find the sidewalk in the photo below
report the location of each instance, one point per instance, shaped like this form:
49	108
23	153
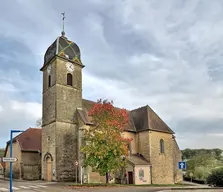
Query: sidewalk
195	185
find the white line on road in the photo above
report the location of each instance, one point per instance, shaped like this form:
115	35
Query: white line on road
34	186
24	187
15	188
3	189
41	186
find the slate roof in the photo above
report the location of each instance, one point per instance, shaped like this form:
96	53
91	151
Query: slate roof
64	48
140	119
29	140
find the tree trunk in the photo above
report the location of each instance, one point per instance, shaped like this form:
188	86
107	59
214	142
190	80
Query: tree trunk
107	175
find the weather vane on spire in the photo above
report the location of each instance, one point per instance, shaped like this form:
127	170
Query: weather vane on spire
63	33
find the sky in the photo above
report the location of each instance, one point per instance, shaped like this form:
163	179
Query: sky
167	54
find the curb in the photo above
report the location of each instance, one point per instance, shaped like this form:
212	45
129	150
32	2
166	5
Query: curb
195	188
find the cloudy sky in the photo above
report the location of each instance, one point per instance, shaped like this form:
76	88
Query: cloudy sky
164	53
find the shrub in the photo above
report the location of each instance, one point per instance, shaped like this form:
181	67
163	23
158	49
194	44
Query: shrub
216	178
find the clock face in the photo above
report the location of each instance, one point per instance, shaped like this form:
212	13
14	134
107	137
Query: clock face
70	67
49	69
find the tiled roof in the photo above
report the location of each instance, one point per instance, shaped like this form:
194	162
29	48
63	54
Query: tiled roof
86	106
29	140
137	159
141	119
146	119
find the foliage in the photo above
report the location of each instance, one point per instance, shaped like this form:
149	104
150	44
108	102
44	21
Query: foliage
2	151
190	153
216	178
201	173
105	144
201	162
39	122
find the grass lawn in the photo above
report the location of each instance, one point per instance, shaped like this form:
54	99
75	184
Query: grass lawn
121	185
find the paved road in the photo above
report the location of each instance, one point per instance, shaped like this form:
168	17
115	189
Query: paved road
197	190
30	186
41	186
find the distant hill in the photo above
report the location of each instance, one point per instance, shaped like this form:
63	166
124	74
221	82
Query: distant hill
191	153
2	151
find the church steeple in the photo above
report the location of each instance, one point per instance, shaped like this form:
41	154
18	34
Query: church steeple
62	95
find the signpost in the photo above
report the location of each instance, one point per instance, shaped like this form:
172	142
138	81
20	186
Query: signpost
182	165
76	165
11	159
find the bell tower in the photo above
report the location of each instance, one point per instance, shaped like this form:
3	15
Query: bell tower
61	96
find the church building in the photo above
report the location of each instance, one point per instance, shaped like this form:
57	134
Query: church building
153	152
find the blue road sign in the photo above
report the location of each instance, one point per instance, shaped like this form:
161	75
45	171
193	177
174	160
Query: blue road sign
182	165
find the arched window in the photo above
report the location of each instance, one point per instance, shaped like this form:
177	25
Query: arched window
161	146
69	79
49	81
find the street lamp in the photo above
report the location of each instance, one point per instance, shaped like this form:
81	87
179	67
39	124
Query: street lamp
11	133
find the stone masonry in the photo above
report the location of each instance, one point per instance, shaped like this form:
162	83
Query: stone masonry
59	129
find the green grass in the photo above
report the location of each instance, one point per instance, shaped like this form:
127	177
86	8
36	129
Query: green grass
123	185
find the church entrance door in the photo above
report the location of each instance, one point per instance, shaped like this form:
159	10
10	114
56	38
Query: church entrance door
48	169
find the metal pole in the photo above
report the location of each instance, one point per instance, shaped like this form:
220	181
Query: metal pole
76	174
11	162
81	175
11	132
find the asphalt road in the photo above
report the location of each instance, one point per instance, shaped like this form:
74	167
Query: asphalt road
29	186
41	186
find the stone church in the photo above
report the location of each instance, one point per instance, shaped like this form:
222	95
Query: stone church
153	152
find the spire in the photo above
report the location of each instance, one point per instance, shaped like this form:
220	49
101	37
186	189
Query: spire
63	32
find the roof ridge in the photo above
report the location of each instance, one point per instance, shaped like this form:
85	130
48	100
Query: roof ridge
139	108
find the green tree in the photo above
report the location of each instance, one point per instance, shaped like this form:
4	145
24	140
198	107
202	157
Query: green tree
105	146
216	178
201	173
39	122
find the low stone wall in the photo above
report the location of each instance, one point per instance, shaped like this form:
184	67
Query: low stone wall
31	171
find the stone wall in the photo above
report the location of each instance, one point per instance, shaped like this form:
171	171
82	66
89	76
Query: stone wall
143	144
16	165
60	130
162	163
31	166
178	174
48	147
133	142
66	150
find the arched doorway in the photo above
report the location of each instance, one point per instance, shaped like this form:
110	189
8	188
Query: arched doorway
48	166
48	169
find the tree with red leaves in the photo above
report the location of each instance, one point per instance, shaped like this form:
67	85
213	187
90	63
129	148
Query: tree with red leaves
105	146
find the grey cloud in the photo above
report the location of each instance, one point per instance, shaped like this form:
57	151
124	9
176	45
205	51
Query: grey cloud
166	54
202	126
